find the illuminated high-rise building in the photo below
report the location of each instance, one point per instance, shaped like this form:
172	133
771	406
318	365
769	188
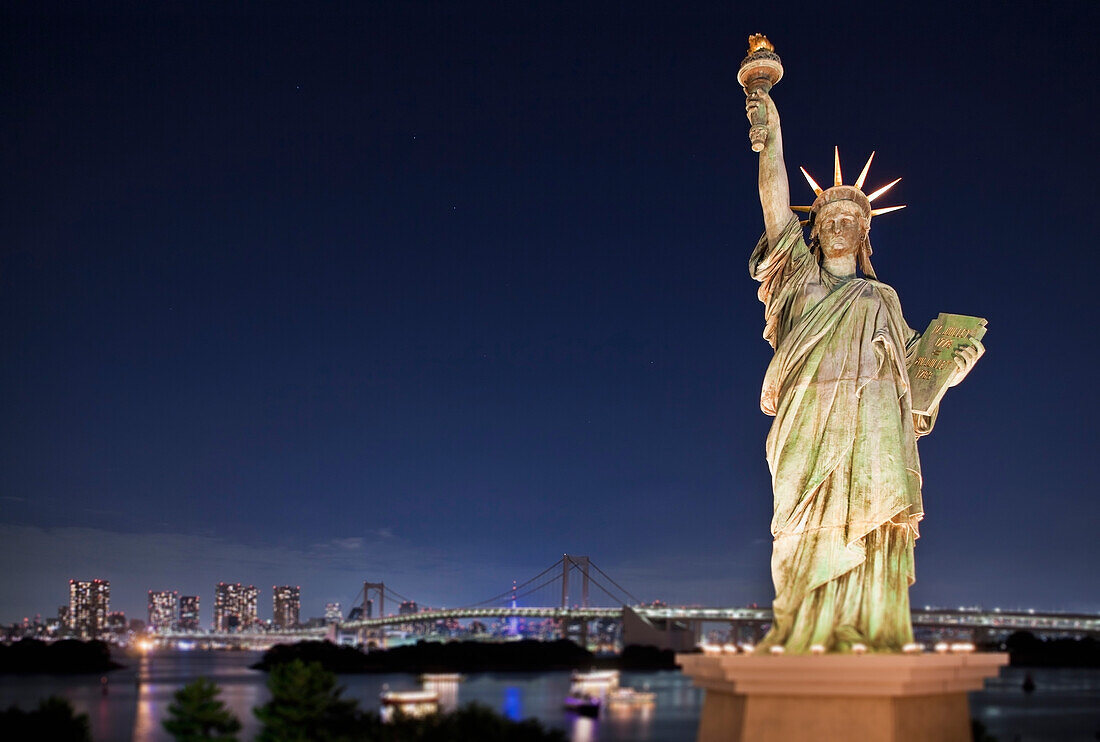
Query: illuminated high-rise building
333	613
250	597
226	599
234	607
286	605
409	608
162	610
189	613
89	604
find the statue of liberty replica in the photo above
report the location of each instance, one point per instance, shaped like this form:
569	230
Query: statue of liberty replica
851	387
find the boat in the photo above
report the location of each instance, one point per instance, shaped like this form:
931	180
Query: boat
624	698
412	703
594	683
583	705
588	691
445	685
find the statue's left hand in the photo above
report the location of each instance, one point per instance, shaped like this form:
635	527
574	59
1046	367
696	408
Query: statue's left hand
965	358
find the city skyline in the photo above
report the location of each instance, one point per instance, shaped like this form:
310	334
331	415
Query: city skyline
429	295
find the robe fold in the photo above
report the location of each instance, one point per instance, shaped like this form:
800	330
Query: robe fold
842	452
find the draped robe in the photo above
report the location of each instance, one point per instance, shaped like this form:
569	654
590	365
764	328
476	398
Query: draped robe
842	452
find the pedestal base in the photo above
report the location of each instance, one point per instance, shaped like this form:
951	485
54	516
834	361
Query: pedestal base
870	698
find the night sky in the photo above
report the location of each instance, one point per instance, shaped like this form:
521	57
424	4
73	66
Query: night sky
433	292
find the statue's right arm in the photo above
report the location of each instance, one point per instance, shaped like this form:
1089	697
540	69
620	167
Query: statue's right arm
775	194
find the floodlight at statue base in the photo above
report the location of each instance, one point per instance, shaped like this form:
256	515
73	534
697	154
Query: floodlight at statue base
871	698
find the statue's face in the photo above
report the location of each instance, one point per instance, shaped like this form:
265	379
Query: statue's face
840	228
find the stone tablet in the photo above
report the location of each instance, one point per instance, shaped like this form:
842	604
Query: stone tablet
933	361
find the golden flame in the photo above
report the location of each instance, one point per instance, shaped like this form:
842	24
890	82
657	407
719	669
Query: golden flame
759	41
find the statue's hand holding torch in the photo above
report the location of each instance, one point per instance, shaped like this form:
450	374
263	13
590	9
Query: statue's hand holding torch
759	72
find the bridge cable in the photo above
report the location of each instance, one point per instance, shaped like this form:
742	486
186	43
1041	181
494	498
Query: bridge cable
615	598
394	594
538	587
623	590
508	593
354	602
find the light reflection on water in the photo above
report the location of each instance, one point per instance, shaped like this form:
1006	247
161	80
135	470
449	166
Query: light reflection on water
584	729
513	708
1063	707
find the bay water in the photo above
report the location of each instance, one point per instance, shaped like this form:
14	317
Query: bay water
1064	707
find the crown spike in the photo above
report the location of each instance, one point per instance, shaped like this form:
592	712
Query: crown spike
863	176
803	209
813	183
882	190
838	179
886	210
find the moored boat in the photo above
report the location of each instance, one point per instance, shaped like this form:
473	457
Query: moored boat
412	703
583	704
630	698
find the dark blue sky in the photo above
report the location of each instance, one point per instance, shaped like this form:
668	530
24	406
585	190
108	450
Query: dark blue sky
433	292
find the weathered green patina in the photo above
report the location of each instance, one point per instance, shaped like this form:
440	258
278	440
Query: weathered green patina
843	447
842	453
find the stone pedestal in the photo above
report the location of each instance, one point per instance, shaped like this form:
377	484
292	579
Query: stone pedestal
869	698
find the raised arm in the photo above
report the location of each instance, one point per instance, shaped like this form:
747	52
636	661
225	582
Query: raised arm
775	193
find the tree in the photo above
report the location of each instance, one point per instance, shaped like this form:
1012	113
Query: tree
198	714
54	719
306	706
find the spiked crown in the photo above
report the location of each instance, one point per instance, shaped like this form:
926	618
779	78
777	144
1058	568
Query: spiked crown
853	193
841	192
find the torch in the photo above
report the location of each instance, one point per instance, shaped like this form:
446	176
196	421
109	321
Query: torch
759	71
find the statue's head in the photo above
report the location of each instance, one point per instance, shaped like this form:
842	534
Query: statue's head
840	217
840	223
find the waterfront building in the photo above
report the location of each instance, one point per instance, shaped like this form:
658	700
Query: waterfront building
162	610
286	606
116	623
333	613
250	617
409	608
235	607
89	604
189	613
